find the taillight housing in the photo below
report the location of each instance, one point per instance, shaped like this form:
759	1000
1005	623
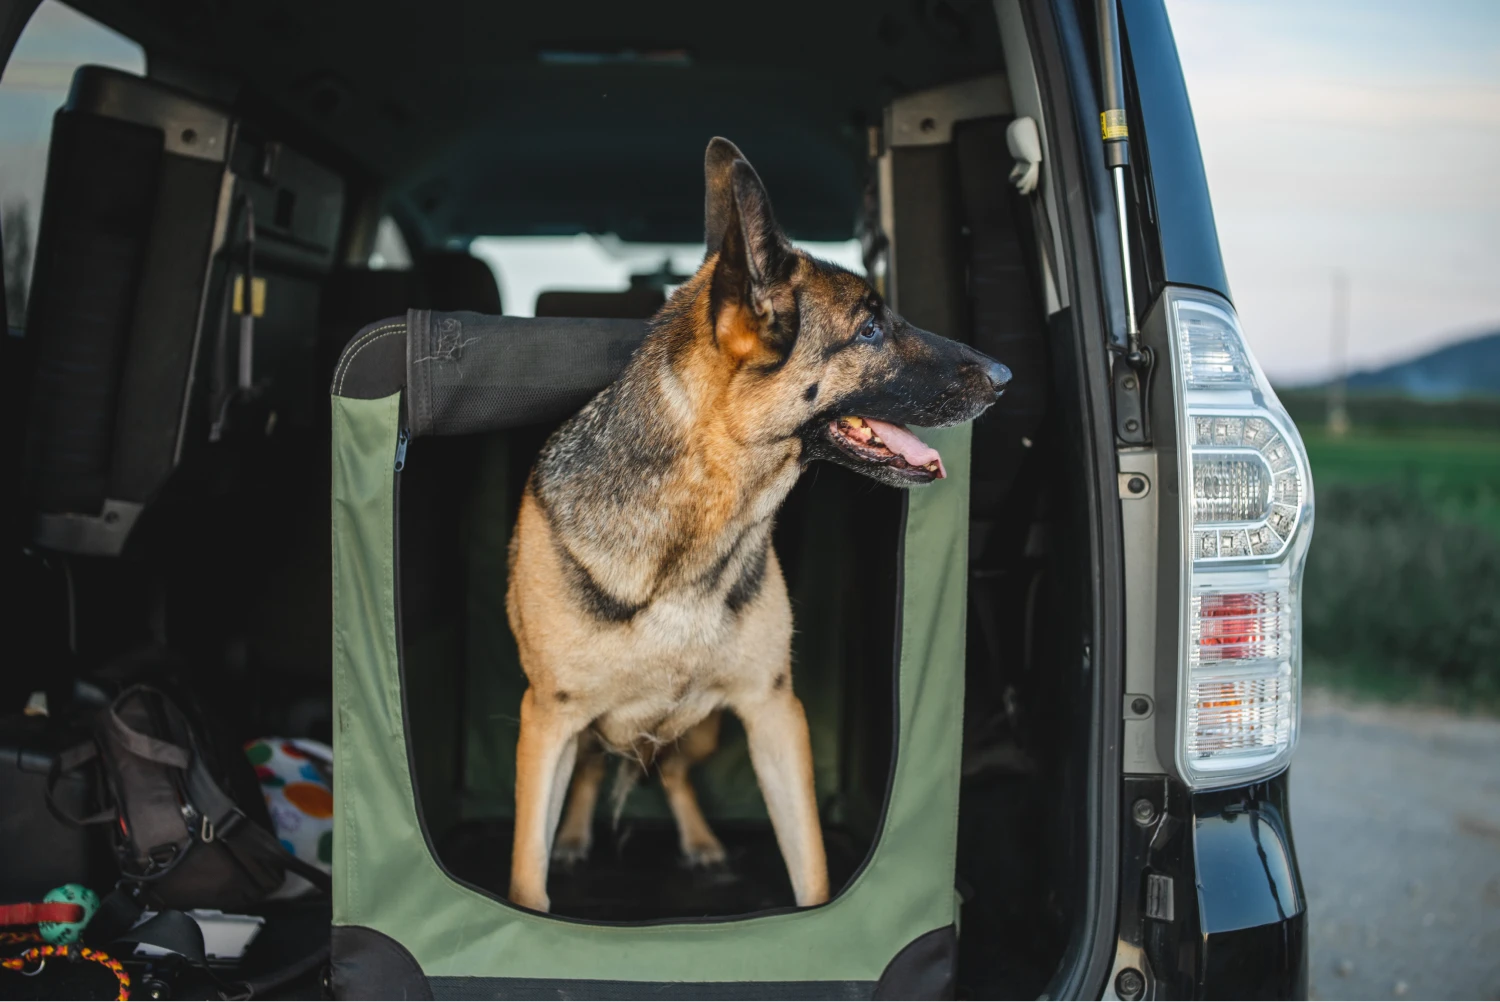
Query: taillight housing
1246	517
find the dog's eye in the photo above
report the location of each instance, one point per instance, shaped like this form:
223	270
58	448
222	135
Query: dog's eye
870	332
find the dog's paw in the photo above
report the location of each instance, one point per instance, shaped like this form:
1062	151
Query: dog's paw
537	901
568	853
704	854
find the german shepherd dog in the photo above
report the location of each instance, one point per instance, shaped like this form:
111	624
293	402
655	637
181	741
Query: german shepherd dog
644	593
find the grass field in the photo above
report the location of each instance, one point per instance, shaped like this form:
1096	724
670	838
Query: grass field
1456	471
1402	594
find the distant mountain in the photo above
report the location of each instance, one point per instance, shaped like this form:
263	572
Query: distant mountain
1469	368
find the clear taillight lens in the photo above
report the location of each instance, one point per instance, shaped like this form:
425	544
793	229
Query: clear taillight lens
1247	518
1240	699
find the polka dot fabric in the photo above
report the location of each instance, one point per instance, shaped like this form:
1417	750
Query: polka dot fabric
296	778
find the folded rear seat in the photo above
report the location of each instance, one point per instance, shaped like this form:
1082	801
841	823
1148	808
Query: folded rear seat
158	208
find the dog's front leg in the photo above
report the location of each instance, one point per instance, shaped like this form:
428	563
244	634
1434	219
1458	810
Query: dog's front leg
545	755
781	752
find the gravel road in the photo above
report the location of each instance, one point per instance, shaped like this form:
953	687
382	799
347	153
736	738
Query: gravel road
1396	817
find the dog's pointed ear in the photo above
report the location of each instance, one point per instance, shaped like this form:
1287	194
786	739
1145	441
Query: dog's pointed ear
735	203
754	256
765	251
718	194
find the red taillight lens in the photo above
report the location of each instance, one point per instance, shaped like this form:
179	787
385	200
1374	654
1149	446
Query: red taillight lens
1239	626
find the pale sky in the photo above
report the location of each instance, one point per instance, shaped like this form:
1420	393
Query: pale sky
1353	134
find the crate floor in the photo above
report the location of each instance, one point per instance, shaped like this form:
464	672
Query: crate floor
635	873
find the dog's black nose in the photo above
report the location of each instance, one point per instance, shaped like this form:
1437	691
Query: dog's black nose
998	375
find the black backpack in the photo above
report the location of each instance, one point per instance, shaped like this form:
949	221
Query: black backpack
182	842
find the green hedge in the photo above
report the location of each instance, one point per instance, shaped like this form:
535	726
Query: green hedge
1402	594
1396	588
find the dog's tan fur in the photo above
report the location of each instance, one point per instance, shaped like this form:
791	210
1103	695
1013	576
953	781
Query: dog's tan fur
646	685
644	594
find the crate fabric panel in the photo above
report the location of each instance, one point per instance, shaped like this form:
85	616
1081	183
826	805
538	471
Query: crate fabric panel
387	877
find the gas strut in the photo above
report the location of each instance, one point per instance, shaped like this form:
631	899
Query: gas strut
1117	153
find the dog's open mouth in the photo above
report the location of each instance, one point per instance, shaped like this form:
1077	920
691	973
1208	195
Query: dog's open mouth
889	445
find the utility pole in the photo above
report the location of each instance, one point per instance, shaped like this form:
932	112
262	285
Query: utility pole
1338	344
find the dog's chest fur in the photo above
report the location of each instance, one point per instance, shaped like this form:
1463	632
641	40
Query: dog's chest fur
689	649
667	591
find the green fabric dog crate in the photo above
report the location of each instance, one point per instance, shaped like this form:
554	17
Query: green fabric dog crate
435	419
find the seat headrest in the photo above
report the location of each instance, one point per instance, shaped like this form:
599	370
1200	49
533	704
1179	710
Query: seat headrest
457	280
636	303
352	297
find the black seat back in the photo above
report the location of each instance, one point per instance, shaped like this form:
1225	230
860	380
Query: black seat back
456	280
158	207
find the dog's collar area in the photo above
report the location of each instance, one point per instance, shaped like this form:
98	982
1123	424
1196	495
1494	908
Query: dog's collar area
886	444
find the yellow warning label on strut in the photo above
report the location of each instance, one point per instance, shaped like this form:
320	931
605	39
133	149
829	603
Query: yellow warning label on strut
1112	124
257	296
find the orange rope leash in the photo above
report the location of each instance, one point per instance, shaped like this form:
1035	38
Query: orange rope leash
41	953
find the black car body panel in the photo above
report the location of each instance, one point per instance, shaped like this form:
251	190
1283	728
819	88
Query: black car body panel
1188	238
1238	916
1251	940
1211	900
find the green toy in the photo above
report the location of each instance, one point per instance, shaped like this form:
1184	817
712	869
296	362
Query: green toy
59	933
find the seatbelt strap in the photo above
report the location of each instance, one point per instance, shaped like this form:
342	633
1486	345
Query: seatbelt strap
170	930
117	913
246	834
271	980
239	299
247	304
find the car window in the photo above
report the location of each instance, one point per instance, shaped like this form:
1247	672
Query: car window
391	252
525	267
56	41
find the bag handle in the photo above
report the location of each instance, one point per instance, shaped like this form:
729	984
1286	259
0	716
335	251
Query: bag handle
141	745
144	745
67	761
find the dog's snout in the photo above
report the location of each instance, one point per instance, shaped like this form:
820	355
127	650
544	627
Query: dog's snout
997	374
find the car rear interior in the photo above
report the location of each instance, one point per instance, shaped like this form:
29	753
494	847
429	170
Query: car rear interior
464	122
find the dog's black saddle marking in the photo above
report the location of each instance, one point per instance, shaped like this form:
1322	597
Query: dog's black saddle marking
599	603
711	577
752	576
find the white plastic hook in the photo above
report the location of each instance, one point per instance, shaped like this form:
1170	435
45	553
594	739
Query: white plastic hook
1025	145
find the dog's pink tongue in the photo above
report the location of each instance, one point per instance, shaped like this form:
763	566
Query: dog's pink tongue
906	445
